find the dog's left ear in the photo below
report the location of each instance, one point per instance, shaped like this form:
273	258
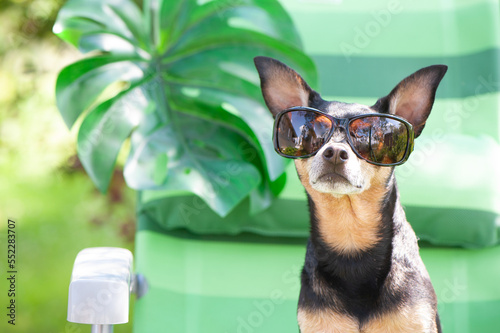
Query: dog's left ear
412	98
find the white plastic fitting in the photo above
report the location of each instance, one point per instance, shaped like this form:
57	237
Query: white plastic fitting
101	282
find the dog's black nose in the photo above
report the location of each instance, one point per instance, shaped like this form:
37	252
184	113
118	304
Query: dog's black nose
336	154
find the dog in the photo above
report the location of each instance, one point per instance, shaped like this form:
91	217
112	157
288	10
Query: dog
362	271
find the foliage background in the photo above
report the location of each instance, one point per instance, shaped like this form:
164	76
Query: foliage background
57	209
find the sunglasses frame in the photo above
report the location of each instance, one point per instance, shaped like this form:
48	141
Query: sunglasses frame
344	123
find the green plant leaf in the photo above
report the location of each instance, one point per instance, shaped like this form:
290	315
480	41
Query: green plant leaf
80	84
103	132
185	69
80	18
208	161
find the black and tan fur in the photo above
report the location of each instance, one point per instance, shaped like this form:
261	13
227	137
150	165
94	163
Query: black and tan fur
363	271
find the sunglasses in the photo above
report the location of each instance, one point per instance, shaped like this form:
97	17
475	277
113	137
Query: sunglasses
379	139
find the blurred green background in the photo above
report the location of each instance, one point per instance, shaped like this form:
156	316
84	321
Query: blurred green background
43	187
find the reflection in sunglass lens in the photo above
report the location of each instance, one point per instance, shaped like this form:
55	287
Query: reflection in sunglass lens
379	139
301	133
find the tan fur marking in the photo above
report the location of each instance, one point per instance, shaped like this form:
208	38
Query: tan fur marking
348	223
417	319
326	321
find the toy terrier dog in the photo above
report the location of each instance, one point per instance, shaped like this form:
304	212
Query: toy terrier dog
362	271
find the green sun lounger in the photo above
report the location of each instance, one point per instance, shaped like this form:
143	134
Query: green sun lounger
241	273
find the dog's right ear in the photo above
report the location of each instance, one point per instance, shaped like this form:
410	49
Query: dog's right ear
281	86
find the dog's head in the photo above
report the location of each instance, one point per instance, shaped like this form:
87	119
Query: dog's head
335	168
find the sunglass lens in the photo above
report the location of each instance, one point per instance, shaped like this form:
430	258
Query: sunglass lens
379	139
301	133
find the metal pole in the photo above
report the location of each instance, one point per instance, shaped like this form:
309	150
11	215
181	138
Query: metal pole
102	329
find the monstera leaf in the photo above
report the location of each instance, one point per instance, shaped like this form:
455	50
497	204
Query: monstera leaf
176	80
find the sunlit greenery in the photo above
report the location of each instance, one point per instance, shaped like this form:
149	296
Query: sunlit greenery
43	188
